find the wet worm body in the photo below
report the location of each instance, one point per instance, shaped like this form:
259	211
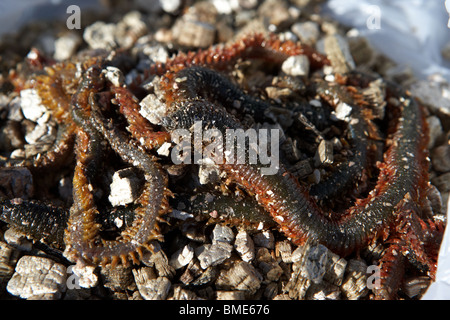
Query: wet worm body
244	211
97	118
82	224
200	81
299	216
138	126
349	170
40	220
47	222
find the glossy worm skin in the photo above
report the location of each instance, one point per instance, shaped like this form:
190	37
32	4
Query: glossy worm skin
42	221
100	118
200	81
301	219
345	172
299	216
82	227
253	46
48	223
138	126
244	211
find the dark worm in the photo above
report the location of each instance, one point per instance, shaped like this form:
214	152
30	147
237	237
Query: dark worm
82	226
351	169
299	216
38	219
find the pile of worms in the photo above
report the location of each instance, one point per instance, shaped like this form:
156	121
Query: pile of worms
374	191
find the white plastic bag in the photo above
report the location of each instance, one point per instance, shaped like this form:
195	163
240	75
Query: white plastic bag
410	32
